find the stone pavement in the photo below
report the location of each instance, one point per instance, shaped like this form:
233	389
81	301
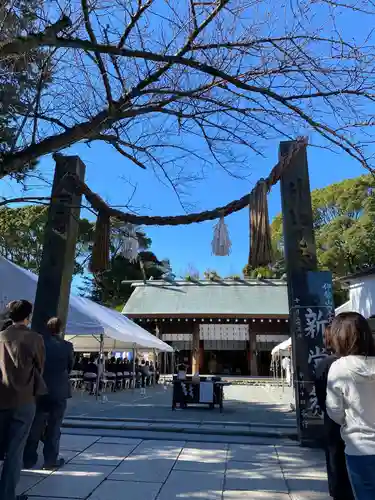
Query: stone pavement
113	468
243	404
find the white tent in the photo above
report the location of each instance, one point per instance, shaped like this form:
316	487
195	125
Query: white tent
346	307
87	321
277	353
282	349
121	333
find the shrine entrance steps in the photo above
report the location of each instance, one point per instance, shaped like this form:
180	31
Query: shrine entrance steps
195	429
248	411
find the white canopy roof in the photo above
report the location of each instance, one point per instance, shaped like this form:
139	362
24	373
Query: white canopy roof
85	318
282	349
346	307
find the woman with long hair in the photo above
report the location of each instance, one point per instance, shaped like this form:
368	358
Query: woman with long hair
351	398
338	480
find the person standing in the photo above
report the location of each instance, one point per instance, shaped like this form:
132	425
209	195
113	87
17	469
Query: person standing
350	398
338	479
144	376
286	366
152	373
51	407
157	372
21	366
212	365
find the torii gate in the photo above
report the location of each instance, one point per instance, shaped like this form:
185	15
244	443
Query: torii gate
310	291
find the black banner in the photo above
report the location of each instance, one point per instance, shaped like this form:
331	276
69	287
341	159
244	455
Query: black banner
311	310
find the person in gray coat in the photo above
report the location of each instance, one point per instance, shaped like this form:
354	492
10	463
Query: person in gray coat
51	408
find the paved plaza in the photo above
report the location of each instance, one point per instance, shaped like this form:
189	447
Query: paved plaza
105	468
112	464
244	404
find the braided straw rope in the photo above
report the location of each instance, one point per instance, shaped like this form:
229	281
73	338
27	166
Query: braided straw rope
260	232
101	206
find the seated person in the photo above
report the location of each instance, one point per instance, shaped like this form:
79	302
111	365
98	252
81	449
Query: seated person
157	373
181	374
90	371
120	366
144	371
148	373
152	372
112	366
92	366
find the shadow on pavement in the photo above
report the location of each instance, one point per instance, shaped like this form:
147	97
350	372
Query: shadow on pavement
114	468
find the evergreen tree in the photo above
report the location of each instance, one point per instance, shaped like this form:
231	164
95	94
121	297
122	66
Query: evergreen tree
22	237
344	215
109	289
22	79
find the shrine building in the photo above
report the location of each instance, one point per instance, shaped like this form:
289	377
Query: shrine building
222	326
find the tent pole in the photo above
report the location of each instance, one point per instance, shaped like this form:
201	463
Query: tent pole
153	378
100	358
134	379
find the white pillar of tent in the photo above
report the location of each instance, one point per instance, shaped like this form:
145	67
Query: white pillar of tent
134	379
154	376
172	363
101	349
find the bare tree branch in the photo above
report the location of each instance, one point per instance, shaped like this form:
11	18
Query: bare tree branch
98	58
356	7
26	199
97	122
209	81
133	21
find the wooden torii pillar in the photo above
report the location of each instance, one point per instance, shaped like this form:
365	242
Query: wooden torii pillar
195	352
309	292
60	237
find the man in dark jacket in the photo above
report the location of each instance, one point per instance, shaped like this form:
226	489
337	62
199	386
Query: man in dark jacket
21	366
51	408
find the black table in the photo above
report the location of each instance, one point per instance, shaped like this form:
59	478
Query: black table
189	392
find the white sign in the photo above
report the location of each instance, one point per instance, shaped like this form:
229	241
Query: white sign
206	392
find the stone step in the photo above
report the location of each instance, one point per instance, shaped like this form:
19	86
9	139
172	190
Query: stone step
180	421
255	381
178	427
179	436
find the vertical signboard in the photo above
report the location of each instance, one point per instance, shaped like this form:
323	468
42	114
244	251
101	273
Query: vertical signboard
311	310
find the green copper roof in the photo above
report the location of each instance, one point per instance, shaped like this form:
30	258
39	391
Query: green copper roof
182	298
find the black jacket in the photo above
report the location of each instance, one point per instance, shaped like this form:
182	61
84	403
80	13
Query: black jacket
321	378
57	367
338	480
